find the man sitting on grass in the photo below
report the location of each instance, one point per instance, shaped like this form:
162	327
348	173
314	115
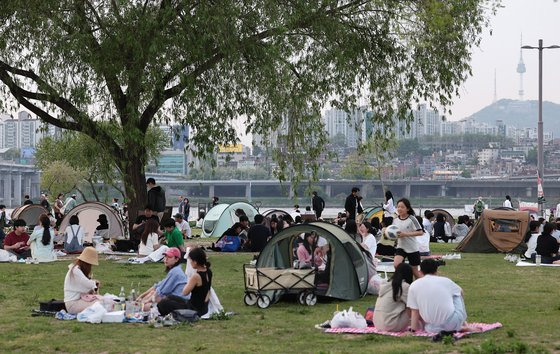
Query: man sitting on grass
16	241
173	236
437	302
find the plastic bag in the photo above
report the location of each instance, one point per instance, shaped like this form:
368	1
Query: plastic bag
92	314
374	284
348	319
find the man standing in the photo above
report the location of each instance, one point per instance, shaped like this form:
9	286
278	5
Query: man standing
351	204
436	301
478	208
318	204
184	207
156	197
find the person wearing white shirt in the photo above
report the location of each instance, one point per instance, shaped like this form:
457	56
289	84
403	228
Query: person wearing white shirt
389	205
183	226
79	288
368	240
74	236
507	202
557	211
532	240
149	238
436	301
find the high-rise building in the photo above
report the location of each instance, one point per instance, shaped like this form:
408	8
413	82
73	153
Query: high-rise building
352	126
428	121
521	70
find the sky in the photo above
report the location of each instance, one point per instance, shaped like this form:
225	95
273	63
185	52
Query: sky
536	19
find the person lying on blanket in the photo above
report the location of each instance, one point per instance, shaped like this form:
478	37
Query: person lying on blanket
436	303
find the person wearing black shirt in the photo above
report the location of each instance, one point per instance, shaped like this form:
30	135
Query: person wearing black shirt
318	204
27	200
547	245
351	204
258	234
138	227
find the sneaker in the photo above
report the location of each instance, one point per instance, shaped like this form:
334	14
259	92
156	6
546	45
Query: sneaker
439	337
324	325
169	320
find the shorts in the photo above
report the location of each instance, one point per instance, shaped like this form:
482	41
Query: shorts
413	258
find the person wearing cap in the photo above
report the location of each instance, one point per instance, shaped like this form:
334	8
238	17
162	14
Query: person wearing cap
172	284
436	303
80	291
70	203
183	226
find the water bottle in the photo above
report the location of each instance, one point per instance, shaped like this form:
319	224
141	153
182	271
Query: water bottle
122	299
538	259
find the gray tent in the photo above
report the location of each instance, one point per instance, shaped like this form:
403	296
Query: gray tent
30	213
348	272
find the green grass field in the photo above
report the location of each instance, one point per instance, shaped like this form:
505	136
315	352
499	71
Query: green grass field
525	300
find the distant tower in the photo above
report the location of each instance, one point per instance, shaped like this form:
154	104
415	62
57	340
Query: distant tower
495	88
521	70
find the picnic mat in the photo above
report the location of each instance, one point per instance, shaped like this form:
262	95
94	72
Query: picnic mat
530	264
372	330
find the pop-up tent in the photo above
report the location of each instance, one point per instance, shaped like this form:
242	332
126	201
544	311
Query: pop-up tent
223	216
369	213
448	216
496	231
88	213
30	213
271	213
347	268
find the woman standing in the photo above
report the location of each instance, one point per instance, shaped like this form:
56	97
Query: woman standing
42	241
390	312
389	205
57	206
79	289
507	202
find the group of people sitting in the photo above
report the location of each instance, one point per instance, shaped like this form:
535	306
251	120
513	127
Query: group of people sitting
148	233
431	303
178	290
544	241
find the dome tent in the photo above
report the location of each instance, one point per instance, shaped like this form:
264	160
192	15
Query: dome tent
29	213
88	213
347	272
369	213
223	216
448	217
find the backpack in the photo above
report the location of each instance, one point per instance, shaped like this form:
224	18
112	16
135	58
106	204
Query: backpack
231	244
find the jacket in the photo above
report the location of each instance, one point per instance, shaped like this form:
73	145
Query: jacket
156	199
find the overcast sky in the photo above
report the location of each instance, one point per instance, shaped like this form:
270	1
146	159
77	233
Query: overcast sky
500	51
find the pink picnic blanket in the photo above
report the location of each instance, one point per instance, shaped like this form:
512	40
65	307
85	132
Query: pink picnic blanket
485	327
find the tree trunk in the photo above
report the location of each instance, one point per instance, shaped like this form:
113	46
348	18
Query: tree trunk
135	180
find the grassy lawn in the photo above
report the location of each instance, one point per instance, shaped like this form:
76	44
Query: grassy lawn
525	300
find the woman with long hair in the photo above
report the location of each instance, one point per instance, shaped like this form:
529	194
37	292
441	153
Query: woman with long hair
197	288
389	205
149	239
409	230
390	312
171	285
80	291
306	250
42	240
368	240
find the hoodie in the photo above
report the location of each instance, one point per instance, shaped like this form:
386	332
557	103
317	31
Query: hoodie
156	199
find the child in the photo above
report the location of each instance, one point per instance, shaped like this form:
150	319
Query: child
407	246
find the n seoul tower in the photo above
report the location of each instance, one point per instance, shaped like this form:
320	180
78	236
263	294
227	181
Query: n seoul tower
521	70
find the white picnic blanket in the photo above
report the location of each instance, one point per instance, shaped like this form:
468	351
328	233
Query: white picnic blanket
529	264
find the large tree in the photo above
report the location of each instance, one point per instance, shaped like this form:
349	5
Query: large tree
129	63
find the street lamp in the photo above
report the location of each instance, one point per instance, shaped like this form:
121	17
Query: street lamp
540	155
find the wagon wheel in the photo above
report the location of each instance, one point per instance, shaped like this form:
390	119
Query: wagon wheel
310	299
250	299
301	297
263	301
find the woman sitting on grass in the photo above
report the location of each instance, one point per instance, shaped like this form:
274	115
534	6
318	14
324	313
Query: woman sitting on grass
547	245
149	239
171	285
79	288
198	288
74	236
390	312
42	240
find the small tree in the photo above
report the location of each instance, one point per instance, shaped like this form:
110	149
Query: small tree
60	177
